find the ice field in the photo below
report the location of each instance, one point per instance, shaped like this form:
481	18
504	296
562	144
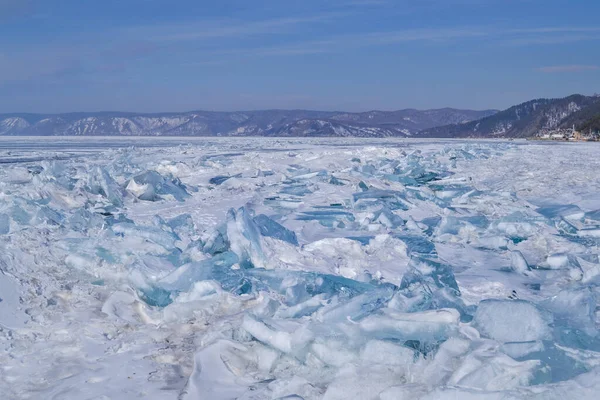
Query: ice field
298	269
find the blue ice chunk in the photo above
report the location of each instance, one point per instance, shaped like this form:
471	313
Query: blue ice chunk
393	199
4	224
417	244
218	242
363	186
575	309
153	234
379	194
244	238
556	211
415	176
452	225
574	337
19	215
387	218
296	190
330	218
59	173
565	227
156	297
368	169
405	180
335	181
449	225
217	268
47	215
100	182
518	262
593	216
338	285
297	287
158	186
265	173
479	221
106	255
518	226
82	220
182	223
159	222
269	227
217	180
176	257
112	218
35	169
423	177
555	364
449	192
360	306
296	169
431	223
430	274
283	204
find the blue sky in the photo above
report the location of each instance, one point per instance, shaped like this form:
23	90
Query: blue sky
156	55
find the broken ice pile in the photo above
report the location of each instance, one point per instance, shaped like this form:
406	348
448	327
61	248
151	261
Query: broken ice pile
386	276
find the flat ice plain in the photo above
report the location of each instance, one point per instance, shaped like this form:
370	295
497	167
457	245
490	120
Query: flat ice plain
255	268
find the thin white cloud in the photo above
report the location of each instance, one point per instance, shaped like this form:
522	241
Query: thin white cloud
556	29
211	29
344	42
532	36
568	68
549	40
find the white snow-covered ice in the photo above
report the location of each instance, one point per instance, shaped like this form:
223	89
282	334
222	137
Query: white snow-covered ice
207	268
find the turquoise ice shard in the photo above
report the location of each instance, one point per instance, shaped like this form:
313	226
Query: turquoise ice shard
269	227
217	268
100	182
218	242
182	223
426	326
393	199
556	211
82	220
152	186
518	262
217	180
49	216
156	235
4	224
245	239
430	273
575	308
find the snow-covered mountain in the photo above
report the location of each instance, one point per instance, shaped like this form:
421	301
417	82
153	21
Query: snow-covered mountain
251	123
526	119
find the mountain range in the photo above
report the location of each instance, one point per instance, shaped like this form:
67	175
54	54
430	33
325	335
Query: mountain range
527	119
296	123
520	121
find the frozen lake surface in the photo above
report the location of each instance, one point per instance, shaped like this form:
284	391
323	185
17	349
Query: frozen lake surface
260	268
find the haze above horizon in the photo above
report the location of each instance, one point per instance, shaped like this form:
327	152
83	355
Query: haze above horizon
350	55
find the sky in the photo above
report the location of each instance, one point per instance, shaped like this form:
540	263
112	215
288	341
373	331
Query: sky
351	55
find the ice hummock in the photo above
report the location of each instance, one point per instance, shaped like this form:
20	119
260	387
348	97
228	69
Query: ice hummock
152	186
404	271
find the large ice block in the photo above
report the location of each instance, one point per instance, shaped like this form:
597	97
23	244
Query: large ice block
269	227
512	321
152	186
100	182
